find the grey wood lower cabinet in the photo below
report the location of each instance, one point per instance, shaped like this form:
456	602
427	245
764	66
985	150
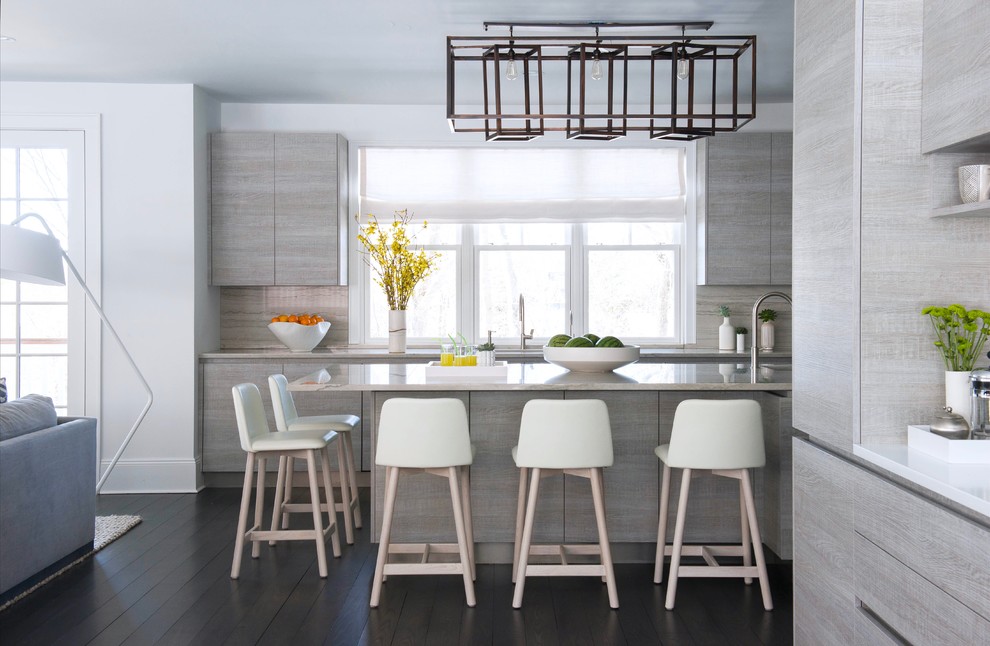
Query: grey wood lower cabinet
875	562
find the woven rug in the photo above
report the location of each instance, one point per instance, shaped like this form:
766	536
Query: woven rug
108	529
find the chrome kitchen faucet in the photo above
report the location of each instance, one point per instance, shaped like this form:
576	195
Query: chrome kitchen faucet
522	324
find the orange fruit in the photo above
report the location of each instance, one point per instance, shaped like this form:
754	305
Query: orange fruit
274	319
318	319
293	318
305	320
283	318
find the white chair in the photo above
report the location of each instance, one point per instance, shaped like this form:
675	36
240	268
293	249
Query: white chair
426	436
259	442
287	419
726	438
561	436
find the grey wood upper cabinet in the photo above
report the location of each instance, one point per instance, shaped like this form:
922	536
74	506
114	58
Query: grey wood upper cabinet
955	108
278	201
748	210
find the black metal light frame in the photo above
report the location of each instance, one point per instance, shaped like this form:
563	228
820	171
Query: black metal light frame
681	117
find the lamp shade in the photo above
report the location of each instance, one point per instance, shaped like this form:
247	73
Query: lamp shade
30	256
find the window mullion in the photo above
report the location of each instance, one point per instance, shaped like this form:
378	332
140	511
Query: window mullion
578	278
467	301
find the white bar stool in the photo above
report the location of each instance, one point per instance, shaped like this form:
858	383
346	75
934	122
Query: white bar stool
562	436
287	419
426	436
725	438
258	441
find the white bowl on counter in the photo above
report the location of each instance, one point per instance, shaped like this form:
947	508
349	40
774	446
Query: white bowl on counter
591	359
300	338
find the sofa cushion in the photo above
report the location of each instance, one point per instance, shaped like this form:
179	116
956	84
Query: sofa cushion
26	415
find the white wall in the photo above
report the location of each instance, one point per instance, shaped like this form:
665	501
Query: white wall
153	212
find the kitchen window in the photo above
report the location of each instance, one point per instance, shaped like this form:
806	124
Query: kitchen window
590	250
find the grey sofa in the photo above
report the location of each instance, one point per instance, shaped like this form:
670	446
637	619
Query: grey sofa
47	490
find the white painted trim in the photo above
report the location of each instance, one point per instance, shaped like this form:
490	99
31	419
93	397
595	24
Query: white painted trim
153	476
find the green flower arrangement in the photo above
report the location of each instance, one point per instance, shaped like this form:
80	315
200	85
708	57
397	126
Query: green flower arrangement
767	315
398	267
724	310
959	333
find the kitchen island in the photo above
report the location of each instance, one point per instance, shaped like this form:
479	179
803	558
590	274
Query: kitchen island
641	399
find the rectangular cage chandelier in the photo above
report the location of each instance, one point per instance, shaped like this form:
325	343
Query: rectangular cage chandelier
600	87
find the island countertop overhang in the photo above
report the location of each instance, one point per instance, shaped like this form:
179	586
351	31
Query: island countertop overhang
713	377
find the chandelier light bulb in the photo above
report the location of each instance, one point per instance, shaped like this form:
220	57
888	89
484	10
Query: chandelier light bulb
511	73
596	70
683	68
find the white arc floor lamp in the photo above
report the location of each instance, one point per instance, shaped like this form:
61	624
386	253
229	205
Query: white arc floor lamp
33	257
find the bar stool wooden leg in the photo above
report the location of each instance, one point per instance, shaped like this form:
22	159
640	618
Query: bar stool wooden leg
520	514
279	492
314	493
754	529
598	496
457	504
744	523
391	484
259	505
352	478
289	472
527	538
235	567
345	492
662	527
465	476
331	507
675	556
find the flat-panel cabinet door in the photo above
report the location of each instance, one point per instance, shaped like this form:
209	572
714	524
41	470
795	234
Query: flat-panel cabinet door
780	207
243	208
221	442
738	211
306	209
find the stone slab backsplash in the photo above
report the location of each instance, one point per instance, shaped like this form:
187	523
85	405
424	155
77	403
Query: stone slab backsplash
246	312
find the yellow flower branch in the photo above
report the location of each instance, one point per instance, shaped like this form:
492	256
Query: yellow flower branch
397	266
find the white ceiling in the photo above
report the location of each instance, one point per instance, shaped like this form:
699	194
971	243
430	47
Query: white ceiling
321	51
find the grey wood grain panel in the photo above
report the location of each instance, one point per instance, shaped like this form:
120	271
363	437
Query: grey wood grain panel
423	509
221	444
826	221
777	522
781	186
951	552
367	423
824	494
306	209
243	208
956	99
631	483
343	208
495	418
738	210
246	311
912	606
869	630
713	503
326	403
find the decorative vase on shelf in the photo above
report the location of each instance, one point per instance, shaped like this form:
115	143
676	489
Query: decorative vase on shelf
766	336
486	357
741	343
957	392
726	335
396	331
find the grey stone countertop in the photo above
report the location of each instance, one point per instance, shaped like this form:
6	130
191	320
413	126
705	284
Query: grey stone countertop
717	377
416	355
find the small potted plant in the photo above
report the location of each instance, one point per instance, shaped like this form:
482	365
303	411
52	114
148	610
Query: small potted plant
726	332
741	333
768	316
959	336
486	352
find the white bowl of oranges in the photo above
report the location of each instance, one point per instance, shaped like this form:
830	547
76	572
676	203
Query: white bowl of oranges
299	332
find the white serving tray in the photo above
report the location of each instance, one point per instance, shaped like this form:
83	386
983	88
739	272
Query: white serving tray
435	371
922	439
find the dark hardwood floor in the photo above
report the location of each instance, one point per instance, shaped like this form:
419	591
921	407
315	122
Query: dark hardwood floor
168	581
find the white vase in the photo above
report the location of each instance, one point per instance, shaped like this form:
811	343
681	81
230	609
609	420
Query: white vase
396	331
957	392
726	335
486	357
766	336
741	343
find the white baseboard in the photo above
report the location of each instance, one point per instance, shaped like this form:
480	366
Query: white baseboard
154	476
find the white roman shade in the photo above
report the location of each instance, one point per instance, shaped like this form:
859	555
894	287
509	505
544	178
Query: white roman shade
495	184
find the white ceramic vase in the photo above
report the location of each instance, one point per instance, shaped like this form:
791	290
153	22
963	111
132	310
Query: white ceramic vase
486	357
726	335
957	392
396	331
741	343
766	336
